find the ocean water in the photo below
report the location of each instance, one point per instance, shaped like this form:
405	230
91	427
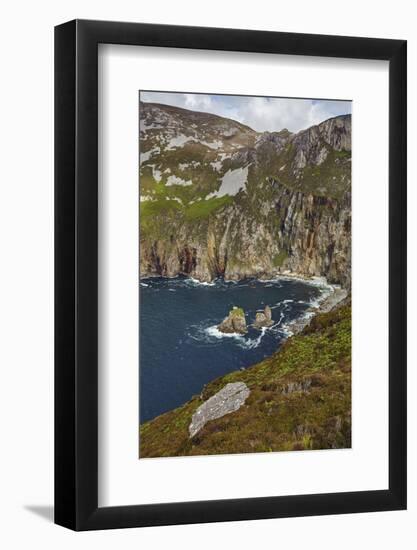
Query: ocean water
180	348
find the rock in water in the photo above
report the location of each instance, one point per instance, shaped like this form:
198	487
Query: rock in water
268	313
235	322
229	399
263	318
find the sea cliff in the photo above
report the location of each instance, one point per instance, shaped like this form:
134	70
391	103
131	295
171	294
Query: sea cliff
221	200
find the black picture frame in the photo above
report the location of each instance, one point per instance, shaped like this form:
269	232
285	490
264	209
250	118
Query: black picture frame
76	272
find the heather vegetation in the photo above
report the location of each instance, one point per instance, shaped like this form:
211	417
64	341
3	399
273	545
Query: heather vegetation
300	399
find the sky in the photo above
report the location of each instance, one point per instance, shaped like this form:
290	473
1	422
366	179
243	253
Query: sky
260	113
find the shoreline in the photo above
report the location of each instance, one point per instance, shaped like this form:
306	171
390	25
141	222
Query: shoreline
260	275
326	304
331	296
315	280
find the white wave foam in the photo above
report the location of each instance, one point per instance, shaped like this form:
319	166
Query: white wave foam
144	284
312	281
286	331
324	294
213	332
251	344
274	280
200	283
277	324
285	304
216	333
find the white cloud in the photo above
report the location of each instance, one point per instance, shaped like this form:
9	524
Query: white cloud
198	102
260	113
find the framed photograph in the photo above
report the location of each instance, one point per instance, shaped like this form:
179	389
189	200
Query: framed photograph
230	252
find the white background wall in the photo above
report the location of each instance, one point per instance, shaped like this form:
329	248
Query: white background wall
26	286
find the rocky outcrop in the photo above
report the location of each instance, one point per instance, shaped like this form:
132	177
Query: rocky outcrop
263	318
302	386
234	323
229	399
314	144
336	298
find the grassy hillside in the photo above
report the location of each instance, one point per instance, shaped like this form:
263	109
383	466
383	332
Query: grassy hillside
300	399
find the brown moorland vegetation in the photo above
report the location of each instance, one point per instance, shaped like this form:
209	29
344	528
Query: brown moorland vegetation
300	399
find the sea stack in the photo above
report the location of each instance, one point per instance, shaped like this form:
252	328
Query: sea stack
263	318
235	322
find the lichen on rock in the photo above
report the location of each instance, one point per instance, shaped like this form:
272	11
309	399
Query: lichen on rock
229	399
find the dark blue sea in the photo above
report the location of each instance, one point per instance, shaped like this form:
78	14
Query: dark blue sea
180	346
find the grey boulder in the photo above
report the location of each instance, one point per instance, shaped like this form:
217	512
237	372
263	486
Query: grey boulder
229	399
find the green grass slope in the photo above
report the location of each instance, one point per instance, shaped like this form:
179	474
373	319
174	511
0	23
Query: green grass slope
300	399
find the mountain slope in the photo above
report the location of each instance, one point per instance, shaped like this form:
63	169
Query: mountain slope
219	199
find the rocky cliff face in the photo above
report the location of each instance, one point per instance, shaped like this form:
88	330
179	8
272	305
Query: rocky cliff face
219	199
